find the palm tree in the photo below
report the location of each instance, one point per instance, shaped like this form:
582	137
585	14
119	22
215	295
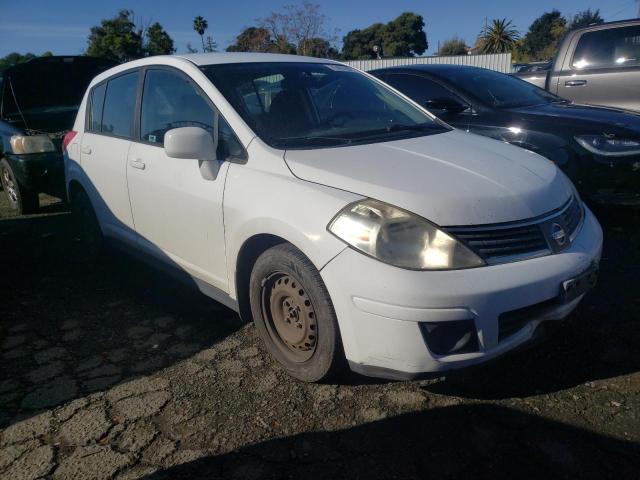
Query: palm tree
200	25
499	37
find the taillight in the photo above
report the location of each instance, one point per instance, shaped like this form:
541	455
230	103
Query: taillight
66	140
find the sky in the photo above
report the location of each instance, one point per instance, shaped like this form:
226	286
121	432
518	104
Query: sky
62	26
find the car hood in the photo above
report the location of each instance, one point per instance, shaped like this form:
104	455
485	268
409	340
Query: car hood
453	178
576	116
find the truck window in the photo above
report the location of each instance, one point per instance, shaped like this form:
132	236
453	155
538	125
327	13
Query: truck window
610	48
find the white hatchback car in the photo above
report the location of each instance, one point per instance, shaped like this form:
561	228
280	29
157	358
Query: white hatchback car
344	219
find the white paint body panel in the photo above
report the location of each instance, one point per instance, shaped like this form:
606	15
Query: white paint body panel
455	178
103	162
177	213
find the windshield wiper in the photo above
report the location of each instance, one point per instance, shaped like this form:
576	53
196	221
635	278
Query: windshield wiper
399	127
310	140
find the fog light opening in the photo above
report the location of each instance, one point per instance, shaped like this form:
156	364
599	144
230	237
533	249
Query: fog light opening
450	338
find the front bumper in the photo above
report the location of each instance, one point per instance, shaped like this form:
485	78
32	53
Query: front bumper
39	172
380	307
612	181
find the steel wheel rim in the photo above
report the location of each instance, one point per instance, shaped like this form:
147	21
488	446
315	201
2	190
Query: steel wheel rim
290	317
10	186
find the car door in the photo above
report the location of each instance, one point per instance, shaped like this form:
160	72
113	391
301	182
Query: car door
604	69
104	149
177	212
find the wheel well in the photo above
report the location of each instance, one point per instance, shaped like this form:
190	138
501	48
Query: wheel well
249	253
74	187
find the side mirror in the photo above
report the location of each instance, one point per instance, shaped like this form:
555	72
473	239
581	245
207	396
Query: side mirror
445	105
194	143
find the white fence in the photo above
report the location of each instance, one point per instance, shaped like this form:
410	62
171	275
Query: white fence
500	62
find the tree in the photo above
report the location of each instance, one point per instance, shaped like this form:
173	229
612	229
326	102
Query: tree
541	40
158	42
116	38
253	39
14	58
358	44
453	46
585	18
190	48
403	36
297	29
200	25
120	39
318	47
498	37
210	45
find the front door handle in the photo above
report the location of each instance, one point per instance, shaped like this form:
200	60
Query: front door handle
137	163
86	149
575	83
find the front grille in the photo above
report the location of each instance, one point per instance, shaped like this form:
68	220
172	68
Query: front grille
572	217
500	243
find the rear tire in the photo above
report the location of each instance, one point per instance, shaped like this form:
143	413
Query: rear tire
294	315
21	199
87	230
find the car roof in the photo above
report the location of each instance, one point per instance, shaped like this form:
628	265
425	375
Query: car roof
438	69
41	62
201	59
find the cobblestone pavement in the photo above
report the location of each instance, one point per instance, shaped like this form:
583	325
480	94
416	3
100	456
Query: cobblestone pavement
115	371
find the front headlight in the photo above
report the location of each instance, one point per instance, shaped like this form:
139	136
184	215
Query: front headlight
609	146
400	238
21	144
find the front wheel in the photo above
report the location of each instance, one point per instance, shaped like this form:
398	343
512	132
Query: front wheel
294	315
21	199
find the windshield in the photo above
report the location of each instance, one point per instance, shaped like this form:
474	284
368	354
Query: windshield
499	90
311	105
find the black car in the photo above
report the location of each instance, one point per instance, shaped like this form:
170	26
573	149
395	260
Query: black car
598	148
39	100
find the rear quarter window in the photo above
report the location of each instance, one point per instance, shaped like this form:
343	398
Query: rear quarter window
97	103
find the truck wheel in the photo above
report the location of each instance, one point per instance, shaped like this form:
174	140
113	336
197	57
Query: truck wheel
21	199
294	315
87	230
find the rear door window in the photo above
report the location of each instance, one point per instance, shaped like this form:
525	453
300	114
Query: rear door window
610	48
119	105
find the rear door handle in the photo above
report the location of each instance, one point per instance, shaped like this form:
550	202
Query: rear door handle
86	149
575	83
137	163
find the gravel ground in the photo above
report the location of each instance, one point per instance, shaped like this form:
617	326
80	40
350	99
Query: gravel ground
115	371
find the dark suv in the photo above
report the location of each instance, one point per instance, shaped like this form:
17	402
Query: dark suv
39	100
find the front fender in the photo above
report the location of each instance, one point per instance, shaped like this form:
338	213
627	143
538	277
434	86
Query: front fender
261	202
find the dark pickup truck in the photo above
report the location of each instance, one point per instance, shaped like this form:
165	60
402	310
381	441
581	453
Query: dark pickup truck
596	65
39	100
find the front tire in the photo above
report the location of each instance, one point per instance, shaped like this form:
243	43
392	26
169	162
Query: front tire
294	315
21	199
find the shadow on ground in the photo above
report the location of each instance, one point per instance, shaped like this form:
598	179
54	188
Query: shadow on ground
473	441
69	329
